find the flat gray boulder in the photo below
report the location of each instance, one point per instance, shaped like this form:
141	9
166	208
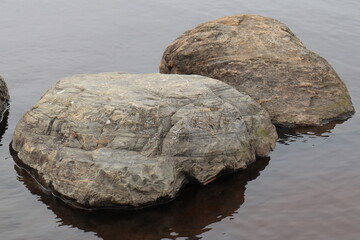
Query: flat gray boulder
133	140
263	58
4	97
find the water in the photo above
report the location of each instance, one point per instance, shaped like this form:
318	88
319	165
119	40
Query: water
309	189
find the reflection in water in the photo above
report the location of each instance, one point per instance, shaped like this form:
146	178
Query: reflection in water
187	216
3	124
288	135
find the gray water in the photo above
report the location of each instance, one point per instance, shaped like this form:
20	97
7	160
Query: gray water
308	189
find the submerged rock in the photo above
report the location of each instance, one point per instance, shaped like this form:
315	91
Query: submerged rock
133	140
4	97
263	58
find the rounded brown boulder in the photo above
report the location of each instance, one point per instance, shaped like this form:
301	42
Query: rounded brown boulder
263	58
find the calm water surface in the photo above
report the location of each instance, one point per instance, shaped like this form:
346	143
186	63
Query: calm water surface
309	189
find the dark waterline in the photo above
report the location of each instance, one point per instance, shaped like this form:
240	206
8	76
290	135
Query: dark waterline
3	124
187	216
308	190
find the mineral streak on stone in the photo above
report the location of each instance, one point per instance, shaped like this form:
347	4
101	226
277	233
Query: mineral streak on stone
4	97
263	58
121	139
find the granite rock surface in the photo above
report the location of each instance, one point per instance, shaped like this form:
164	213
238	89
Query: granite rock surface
115	139
262	57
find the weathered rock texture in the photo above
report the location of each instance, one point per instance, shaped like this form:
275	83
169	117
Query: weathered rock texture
4	96
263	58
121	139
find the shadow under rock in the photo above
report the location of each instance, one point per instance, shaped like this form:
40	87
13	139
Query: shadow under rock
189	215
288	135
3	124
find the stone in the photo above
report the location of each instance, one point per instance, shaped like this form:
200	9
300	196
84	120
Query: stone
260	56
133	140
189	215
4	97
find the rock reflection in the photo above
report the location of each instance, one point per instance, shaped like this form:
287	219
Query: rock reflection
187	216
3	124
288	135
